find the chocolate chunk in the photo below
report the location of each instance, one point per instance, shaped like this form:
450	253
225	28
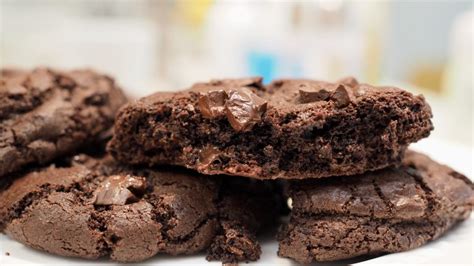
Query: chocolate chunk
120	190
207	156
307	96
244	109
212	103
348	81
342	96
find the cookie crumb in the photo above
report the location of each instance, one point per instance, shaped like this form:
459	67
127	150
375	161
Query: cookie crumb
7	253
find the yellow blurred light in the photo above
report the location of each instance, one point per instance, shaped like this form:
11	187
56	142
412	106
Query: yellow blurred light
194	11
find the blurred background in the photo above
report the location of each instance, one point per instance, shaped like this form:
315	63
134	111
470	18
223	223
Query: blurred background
150	45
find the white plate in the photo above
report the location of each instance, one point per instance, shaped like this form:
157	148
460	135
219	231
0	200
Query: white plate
456	247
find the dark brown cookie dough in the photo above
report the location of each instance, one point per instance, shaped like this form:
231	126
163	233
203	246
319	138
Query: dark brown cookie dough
289	129
45	113
246	207
93	208
389	210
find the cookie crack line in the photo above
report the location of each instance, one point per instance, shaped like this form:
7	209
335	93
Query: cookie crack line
190	235
17	211
388	204
429	194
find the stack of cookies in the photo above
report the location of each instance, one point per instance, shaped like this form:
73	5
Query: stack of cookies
210	167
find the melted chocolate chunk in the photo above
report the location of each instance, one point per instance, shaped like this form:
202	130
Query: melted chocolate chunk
208	155
120	190
212	103
342	96
244	109
307	96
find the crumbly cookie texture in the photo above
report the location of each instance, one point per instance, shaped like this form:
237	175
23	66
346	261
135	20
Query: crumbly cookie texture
93	208
390	210
293	129
45	114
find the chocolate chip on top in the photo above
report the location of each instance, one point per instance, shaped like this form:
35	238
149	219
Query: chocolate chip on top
244	109
120	190
308	96
212	103
241	106
340	93
342	96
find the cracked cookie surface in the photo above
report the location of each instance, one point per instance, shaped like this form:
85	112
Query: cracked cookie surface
389	210
46	113
293	129
91	208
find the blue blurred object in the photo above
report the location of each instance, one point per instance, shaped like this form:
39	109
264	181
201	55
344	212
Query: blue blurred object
262	64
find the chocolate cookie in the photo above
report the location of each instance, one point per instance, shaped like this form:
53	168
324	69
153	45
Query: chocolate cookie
92	208
391	210
290	129
46	113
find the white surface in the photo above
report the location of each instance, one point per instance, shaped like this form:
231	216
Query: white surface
456	247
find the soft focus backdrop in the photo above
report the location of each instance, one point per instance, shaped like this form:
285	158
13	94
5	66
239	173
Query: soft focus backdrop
422	46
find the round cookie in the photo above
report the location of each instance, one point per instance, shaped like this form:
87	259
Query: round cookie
390	210
45	114
92	208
